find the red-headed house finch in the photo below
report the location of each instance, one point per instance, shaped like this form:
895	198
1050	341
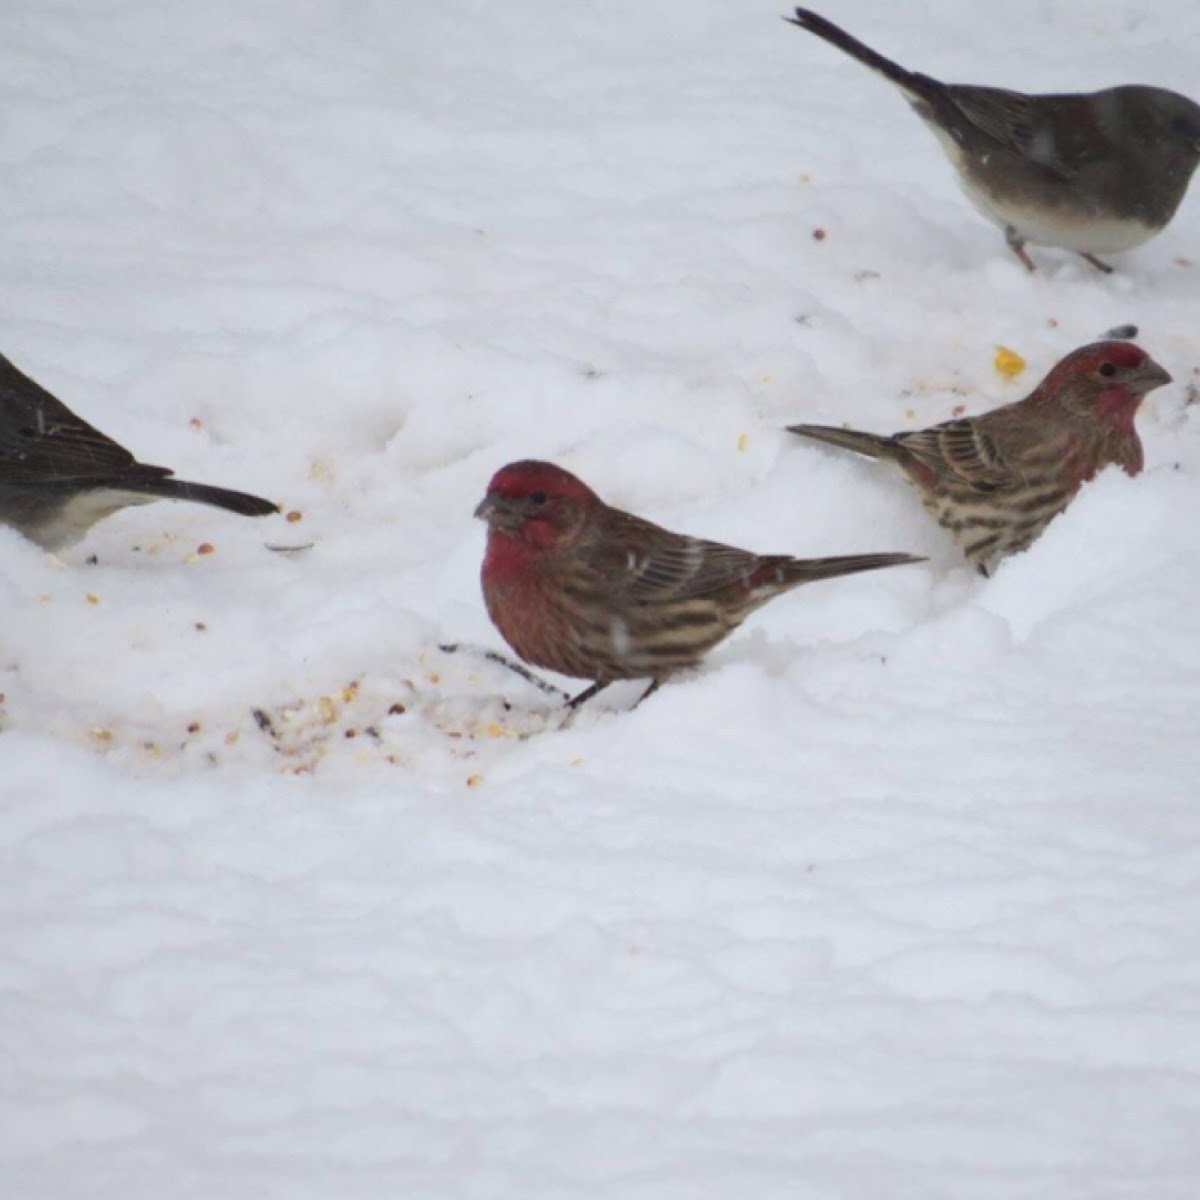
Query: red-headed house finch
592	592
1092	172
59	475
996	481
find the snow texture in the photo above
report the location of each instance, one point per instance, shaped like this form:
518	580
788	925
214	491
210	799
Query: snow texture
895	899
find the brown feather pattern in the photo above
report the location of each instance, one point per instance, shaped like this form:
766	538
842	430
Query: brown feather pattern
995	481
584	589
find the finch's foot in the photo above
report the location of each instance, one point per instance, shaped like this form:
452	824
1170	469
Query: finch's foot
503	660
584	696
1098	263
1016	243
576	702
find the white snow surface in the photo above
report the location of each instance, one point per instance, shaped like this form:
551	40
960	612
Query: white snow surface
895	898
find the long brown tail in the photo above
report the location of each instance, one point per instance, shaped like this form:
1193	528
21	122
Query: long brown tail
917	85
792	572
873	445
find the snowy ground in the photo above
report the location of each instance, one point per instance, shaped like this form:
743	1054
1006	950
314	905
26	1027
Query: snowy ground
895	899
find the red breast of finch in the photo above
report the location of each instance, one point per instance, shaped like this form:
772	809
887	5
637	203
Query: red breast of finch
584	589
996	481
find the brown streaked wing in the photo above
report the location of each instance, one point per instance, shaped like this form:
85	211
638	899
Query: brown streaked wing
643	562
963	452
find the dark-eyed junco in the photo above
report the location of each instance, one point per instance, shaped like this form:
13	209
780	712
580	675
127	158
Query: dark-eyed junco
1094	172
997	480
59	476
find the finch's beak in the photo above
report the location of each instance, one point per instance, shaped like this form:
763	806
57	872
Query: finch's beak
1148	377
499	513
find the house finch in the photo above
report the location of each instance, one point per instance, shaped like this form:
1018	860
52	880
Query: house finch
1092	172
592	592
59	476
997	480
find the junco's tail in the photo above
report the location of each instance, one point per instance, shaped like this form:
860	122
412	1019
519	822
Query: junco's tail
873	445
202	493
913	84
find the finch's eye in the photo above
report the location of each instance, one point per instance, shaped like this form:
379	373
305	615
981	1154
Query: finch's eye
538	498
1107	369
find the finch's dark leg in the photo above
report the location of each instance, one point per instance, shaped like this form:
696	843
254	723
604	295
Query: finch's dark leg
647	693
1016	243
585	695
1098	263
504	661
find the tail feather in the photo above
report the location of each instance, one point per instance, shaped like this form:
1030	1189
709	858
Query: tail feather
873	445
796	571
241	503
779	573
916	85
